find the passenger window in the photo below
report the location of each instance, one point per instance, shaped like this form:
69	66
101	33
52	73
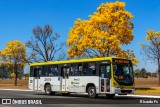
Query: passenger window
65	72
40	71
107	71
31	71
52	70
80	69
89	68
37	71
44	71
76	70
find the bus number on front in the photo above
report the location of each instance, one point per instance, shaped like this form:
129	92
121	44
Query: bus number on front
47	79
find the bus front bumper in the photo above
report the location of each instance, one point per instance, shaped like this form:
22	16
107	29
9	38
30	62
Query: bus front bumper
123	91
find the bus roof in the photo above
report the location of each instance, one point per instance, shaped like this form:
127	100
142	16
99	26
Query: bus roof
73	61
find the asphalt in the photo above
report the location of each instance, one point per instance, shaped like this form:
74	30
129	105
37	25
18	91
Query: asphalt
74	100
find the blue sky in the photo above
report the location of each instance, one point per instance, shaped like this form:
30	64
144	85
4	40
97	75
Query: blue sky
19	17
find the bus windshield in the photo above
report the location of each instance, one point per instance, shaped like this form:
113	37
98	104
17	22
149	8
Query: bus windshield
123	73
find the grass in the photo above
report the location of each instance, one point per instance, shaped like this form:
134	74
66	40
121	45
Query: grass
143	86
148	91
146	82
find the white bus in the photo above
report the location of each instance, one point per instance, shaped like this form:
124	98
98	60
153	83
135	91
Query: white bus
95	76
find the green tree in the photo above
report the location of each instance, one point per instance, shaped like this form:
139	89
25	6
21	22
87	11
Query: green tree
137	73
143	72
148	74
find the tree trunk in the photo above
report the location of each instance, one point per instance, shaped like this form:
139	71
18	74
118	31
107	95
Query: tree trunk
159	70
15	70
159	75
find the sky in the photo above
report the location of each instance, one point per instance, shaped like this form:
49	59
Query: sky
19	17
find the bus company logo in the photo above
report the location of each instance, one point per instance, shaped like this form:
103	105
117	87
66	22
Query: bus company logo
21	101
6	101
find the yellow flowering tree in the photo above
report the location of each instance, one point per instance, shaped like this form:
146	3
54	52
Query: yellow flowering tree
152	50
13	75
103	34
14	56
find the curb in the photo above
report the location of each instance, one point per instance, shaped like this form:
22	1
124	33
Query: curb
142	96
148	96
15	89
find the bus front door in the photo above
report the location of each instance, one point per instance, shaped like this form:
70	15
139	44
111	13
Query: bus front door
105	76
37	73
65	78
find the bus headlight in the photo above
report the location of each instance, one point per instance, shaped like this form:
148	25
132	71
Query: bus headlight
133	87
115	85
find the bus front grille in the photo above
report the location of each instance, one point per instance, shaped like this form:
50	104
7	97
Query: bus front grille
126	91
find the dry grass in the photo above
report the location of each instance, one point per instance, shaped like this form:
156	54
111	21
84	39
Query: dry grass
22	84
12	86
147	86
146	82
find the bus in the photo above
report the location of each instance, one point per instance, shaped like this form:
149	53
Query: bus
94	76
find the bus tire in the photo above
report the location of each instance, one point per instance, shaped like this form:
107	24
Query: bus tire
52	93
92	92
48	90
110	96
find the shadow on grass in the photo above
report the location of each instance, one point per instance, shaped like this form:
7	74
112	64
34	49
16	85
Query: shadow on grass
144	89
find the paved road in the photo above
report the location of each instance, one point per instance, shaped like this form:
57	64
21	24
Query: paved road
73	100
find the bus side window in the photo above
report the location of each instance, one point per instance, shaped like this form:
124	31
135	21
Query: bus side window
89	68
50	72
63	72
40	71
85	66
44	71
31	71
80	69
92	66
53	70
74	69
108	74
37	71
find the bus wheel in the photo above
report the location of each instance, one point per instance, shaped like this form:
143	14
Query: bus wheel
52	93
48	90
110	95
92	92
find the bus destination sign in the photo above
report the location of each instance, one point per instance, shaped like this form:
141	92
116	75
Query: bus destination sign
121	61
